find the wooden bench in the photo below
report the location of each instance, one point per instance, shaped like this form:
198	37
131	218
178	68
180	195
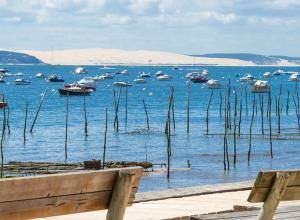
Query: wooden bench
60	194
271	187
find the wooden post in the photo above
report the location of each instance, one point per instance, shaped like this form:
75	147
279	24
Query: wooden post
221	104
126	106
270	122
85	117
287	103
297	112
25	122
173	109
261	104
38	110
250	133
146	112
229	105
105	137
2	139
241	111
207	110
246	101
225	132
188	109
234	128
66	128
273	198
116	122
278	114
7	120
120	196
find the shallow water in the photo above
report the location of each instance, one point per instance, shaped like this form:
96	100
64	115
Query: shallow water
205	153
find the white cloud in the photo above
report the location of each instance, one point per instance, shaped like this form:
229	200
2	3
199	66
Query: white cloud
270	21
12	19
223	18
112	19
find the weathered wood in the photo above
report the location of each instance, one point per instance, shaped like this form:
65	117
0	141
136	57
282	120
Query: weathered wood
274	196
120	196
61	193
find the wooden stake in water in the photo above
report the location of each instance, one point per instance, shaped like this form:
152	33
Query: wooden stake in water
188	109
2	139
246	101
270	123
173	110
105	137
116	122
297	112
250	133
287	103
207	109
221	104
126	106
278	113
229	105
234	128
225	133
85	117
66	128
146	112
261	104
38	109
25	122
240	115
7	120
169	112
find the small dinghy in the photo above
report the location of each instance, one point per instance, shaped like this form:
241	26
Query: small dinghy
22	82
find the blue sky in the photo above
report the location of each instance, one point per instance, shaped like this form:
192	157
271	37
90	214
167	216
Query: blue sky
181	26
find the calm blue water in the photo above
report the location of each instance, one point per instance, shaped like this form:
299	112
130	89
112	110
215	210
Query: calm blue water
205	153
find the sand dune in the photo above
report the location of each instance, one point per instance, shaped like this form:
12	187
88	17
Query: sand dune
98	56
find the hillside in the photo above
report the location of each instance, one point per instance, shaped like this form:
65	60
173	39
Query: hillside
8	57
256	58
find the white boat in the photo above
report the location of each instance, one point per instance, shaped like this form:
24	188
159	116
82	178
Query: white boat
22	82
80	70
40	75
260	86
3	71
159	73
204	72
278	72
164	77
87	82
214	84
124	72
247	78
267	74
122	84
140	81
143	74
294	77
19	74
103	77
192	74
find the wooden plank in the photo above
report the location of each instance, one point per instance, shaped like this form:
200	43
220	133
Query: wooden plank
120	196
264	181
58	202
274	196
259	194
61	184
264	178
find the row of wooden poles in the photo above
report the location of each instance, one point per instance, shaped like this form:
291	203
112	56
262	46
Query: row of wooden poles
171	119
237	118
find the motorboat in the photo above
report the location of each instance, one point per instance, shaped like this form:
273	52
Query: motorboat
159	73
19	74
294	77
140	81
103	77
260	86
214	84
120	84
55	78
3	104
199	79
192	74
278	72
124	72
164	77
74	90
87	82
22	82
146	75
40	75
3	71
247	78
204	72
267	74
80	70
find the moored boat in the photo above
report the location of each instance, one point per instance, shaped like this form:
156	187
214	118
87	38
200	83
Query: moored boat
2	79
267	74
214	84
40	75
22	82
199	79
260	86
294	77
164	77
55	78
247	78
122	84
80	70
146	75
74	90
159	73
140	81
88	83
3	104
